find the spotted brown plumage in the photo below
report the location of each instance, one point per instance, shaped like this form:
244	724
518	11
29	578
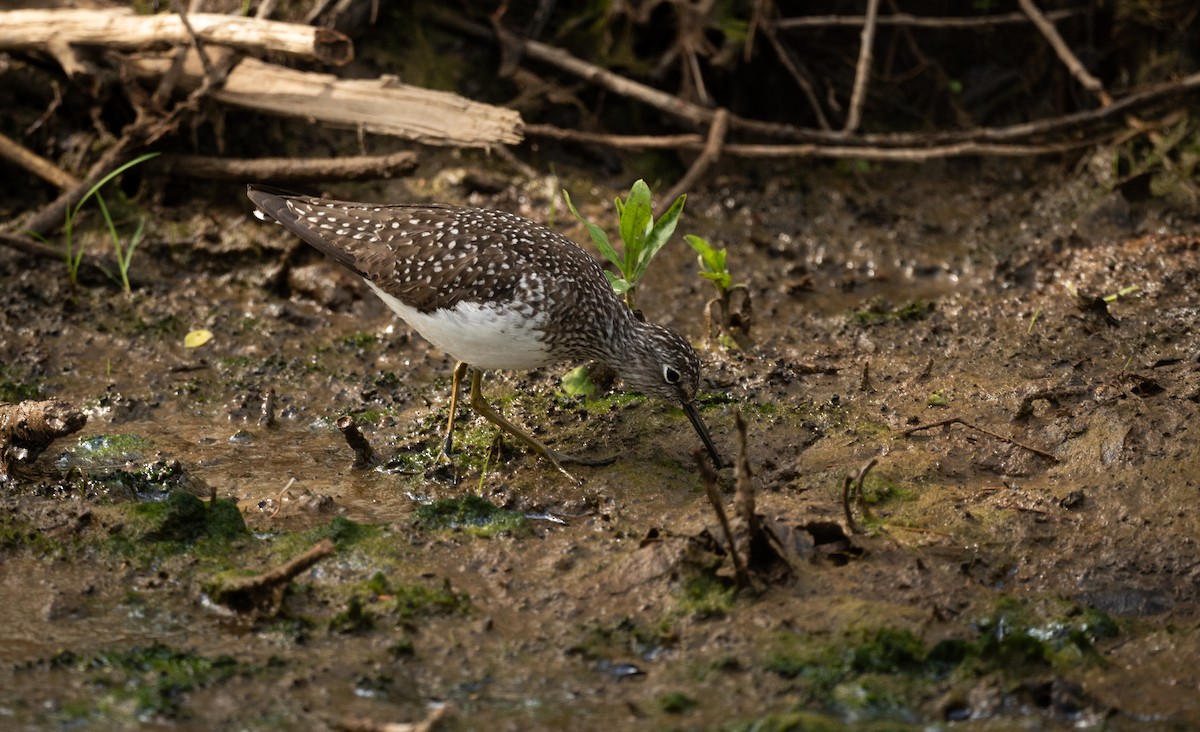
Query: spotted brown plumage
495	291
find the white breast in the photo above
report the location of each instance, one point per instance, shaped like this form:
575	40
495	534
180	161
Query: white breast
484	336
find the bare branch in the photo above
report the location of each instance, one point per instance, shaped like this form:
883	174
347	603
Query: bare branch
1064	52
917	21
863	71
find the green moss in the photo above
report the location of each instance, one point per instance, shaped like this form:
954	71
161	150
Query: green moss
343	532
151	680
621	639
16	533
405	603
883	673
413	601
793	722
358	341
704	595
472	514
888	651
877	491
876	313
13	389
1012	638
181	521
676	702
354	619
104	450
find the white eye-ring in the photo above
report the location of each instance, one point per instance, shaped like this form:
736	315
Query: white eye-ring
670	375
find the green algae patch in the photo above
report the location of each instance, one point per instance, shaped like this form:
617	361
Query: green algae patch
676	702
179	523
885	673
472	514
408	602
140	684
105	450
805	721
13	389
1011	637
16	533
151	482
400	603
343	532
703	596
877	313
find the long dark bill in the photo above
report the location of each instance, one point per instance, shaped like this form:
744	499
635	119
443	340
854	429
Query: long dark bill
689	408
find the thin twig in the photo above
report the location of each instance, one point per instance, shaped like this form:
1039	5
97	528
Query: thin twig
1064	52
209	70
32	247
709	478
698	115
358	167
862	72
977	428
849	150
708	156
785	58
14	152
601	77
918	21
856	479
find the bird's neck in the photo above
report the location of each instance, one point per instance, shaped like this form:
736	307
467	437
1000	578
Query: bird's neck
627	332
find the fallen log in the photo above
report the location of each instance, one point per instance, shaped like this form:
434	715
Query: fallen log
382	105
52	31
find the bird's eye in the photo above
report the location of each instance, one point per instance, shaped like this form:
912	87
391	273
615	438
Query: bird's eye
670	375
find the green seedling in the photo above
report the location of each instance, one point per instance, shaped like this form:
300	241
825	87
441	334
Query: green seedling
714	269
641	236
73	255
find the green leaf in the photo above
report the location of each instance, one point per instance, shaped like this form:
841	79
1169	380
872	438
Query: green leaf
578	382
620	285
92	191
599	238
659	235
636	220
721	279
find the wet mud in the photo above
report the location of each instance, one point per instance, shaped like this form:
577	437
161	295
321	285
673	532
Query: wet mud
1032	562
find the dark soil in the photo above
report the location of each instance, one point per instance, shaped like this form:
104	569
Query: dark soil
991	585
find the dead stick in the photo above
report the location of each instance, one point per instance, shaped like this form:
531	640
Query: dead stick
977	428
801	80
709	478
29	246
601	77
296	565
1065	54
36	164
52	215
708	156
699	115
863	71
357	167
849	481
1024	130
813	150
364	455
918	21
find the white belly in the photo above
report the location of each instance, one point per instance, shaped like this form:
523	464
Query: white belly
481	335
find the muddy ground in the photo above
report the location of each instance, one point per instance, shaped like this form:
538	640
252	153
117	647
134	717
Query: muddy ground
1033	568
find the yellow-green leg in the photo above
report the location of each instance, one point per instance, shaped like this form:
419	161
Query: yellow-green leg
480	405
460	369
